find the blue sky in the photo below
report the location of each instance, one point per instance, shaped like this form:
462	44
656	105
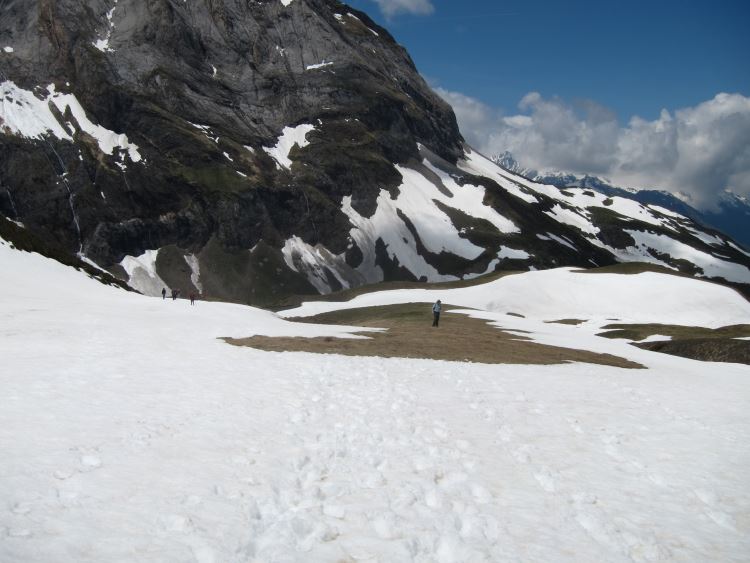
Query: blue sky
648	94
634	57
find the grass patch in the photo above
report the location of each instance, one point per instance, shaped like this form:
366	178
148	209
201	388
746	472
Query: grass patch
677	332
574	322
409	335
705	349
694	342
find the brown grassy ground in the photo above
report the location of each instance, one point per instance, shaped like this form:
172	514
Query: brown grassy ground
697	343
409	335
567	321
641	331
705	349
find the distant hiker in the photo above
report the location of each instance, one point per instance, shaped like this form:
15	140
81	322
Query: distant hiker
436	308
174	294
163	292
192	298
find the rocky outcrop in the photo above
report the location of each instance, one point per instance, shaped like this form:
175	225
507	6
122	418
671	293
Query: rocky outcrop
201	89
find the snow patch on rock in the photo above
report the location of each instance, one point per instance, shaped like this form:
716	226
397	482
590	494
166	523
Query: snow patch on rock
103	42
142	274
195	271
555	238
316	263
319	65
23	113
289	137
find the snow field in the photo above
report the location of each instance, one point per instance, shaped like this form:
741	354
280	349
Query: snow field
564	293
129	432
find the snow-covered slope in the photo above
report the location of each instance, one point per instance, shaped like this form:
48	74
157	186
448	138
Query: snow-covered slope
129	432
448	222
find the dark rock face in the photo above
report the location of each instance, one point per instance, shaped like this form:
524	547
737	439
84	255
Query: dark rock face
264	150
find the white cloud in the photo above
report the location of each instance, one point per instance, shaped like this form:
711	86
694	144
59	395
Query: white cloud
392	7
698	151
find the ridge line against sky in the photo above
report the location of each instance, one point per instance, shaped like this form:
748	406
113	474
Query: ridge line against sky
648	94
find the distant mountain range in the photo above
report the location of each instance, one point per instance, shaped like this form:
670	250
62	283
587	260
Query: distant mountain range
732	216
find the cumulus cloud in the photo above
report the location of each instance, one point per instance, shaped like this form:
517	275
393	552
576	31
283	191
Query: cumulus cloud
697	151
391	8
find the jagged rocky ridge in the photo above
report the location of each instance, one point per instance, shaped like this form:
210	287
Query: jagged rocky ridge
253	150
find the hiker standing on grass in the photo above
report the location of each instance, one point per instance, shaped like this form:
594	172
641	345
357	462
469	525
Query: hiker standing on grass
163	293
436	308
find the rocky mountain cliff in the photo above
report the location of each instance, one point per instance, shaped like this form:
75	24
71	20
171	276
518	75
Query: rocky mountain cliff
253	150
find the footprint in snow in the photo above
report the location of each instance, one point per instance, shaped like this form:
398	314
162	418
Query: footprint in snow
505	433
177	523
90	462
522	454
21	508
573	423
714	512
480	494
545	479
441	433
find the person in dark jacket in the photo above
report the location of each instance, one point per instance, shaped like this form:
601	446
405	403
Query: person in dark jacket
163	292
436	308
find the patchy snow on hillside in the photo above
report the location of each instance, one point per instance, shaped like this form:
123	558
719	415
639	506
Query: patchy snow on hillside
23	113
315	262
467	198
422	198
582	198
399	242
103	42
557	239
572	217
711	265
142	274
475	163
130	431
289	137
